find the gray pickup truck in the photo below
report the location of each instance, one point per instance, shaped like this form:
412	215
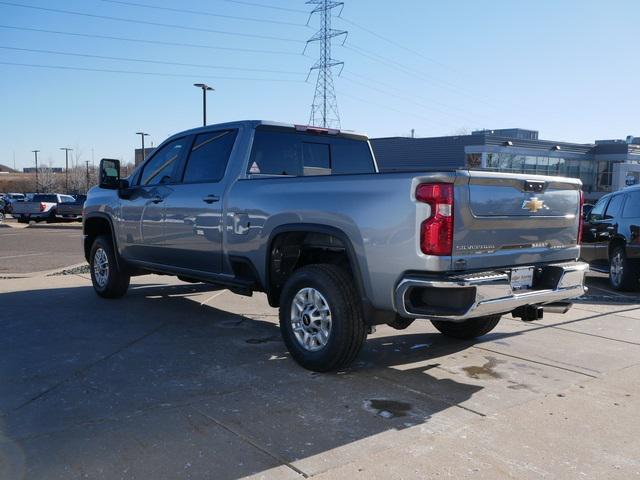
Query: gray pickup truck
302	214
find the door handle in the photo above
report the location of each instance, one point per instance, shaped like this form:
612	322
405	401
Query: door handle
157	200
211	199
611	228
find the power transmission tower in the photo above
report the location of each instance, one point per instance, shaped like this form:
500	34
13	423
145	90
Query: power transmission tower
324	110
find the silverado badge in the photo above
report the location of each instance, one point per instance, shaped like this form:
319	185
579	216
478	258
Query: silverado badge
533	204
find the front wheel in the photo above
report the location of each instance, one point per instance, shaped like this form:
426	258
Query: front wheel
107	278
622	274
321	318
467	329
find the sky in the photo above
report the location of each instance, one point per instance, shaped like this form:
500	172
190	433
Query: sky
567	68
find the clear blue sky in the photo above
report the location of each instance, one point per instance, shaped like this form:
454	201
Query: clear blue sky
567	68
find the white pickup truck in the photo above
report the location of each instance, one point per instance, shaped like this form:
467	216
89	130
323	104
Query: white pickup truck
43	206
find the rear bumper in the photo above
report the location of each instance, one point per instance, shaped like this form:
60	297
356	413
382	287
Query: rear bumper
460	297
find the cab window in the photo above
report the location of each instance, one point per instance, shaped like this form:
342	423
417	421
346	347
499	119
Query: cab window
161	166
209	157
632	205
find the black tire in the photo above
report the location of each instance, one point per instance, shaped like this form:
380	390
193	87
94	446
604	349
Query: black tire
622	273
52	217
23	220
468	329
347	332
115	283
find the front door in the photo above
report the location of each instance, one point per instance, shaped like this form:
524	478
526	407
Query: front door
194	220
142	215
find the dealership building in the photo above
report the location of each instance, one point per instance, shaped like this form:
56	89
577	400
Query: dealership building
603	166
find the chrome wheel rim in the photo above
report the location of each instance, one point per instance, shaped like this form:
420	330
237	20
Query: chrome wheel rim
101	267
617	268
311	319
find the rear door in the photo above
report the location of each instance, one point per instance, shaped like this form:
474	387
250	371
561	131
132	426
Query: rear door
193	211
591	241
508	219
631	220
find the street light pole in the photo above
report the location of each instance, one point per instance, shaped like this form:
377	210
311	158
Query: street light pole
35	152
205	88
142	135
66	168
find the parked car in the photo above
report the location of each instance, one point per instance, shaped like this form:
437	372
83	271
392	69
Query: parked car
302	214
10	199
3	209
41	207
611	238
71	211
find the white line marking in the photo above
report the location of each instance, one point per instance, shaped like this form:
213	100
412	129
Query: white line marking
212	297
25	255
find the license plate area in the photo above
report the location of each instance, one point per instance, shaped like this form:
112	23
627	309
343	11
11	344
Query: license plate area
522	278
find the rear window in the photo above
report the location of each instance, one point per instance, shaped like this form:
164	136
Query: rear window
45	198
615	207
632	205
296	154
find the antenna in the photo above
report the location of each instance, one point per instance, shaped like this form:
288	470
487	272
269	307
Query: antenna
324	110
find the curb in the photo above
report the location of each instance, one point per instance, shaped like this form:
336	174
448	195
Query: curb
68	270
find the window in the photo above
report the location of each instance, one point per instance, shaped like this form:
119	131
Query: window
350	156
209	157
605	173
67	199
45	198
275	154
615	206
159	169
297	153
597	212
316	158
632	206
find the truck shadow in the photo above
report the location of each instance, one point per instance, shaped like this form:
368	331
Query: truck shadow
90	385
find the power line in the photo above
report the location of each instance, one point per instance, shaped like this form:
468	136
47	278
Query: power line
137	72
150	42
411	100
397	44
146	22
141	60
200	12
273	7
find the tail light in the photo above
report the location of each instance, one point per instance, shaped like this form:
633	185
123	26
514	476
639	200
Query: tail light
580	219
436	232
42	207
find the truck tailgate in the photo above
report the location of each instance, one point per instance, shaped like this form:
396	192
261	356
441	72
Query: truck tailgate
514	219
20	208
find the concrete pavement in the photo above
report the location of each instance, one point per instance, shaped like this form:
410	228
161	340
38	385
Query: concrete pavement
177	381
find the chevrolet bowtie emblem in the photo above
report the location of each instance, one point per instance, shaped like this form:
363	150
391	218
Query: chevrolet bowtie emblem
533	204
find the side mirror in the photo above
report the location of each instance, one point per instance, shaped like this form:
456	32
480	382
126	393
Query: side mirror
109	173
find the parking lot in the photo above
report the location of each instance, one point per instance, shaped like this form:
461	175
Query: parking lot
39	247
178	381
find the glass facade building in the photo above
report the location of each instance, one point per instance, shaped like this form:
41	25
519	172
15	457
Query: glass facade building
514	150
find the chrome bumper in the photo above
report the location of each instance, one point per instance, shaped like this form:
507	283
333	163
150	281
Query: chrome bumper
461	297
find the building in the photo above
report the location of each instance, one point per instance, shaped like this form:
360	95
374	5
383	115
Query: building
139	157
41	169
604	166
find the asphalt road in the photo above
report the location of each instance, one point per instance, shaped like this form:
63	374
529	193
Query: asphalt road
177	381
39	248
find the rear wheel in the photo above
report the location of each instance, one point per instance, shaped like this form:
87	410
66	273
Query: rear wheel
107	278
622	274
321	318
468	329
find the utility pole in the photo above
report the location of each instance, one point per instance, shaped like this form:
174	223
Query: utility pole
205	88
35	152
87	163
142	135
66	168
413	133
324	110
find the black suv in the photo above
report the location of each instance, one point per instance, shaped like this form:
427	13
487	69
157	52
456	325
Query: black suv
611	238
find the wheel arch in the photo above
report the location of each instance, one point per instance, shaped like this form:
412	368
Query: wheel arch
97	224
297	234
